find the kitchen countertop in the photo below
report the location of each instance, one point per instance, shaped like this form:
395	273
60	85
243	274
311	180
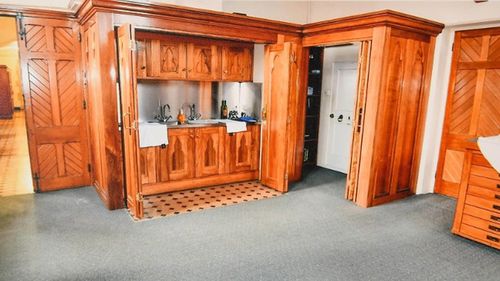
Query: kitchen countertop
204	125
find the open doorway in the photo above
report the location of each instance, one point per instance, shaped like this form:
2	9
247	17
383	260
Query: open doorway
330	109
15	170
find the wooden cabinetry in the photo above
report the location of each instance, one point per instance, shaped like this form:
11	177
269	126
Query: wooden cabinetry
196	157
237	62
242	150
161	56
209	150
477	215
203	61
180	154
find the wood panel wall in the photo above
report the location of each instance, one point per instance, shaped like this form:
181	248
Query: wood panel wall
473	105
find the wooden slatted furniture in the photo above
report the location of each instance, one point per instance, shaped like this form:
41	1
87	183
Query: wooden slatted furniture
477	215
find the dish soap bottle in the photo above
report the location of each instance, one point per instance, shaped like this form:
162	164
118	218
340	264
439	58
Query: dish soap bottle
181	118
223	110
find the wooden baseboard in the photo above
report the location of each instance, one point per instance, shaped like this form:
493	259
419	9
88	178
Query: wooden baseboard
157	188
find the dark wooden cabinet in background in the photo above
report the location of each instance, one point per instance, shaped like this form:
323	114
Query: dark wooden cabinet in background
6	107
313	102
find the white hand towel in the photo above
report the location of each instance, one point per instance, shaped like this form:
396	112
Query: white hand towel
152	134
490	147
235	126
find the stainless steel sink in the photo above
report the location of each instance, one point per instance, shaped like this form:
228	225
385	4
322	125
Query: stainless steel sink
203	121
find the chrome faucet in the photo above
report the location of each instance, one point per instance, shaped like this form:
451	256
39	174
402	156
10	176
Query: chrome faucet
163	113
192	113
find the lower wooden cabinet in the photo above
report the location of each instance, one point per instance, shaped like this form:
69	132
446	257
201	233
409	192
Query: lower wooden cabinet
196	157
209	151
477	215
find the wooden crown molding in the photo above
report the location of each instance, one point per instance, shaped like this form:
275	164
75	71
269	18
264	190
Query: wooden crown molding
13	10
193	14
368	20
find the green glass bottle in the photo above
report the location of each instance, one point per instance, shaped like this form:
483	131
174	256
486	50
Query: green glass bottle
223	110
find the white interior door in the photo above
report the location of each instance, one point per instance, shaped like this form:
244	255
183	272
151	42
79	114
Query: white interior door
336	118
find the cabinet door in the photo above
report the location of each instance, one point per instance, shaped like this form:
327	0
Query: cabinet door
244	150
166	59
237	63
203	62
180	152
141	58
209	151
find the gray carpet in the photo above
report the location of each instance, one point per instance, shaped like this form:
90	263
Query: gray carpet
311	233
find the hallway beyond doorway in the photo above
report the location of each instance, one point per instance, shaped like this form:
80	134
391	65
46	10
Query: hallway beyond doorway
15	171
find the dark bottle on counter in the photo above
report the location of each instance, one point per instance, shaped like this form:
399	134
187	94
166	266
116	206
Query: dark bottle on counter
223	110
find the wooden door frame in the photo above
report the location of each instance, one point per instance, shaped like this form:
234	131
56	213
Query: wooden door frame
22	76
366	64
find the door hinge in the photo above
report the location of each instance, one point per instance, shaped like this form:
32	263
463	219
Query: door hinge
84	104
79	36
139	197
22	27
452	46
36	178
89	167
286	176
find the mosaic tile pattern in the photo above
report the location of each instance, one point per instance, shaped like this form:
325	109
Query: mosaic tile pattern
174	203
15	171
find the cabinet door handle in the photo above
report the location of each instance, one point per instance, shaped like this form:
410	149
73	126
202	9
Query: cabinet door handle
491	238
494	228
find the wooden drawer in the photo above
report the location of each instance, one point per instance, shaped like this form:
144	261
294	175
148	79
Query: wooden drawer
484	171
484	193
481	213
484	237
485	225
488	183
488	204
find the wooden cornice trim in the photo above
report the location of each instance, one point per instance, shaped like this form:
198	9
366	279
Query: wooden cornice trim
368	20
12	10
194	14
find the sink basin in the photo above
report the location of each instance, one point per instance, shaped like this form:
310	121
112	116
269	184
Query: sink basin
203	121
168	123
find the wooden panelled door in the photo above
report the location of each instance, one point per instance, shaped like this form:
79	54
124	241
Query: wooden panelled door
128	94
275	116
357	134
473	106
56	120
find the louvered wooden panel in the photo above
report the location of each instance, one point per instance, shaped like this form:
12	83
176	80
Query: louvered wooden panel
494	48
40	94
50	61
463	98
73	158
453	163
489	112
69	102
473	102
470	50
63	40
47	166
36	37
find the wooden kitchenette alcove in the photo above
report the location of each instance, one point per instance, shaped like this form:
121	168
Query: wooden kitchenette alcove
114	37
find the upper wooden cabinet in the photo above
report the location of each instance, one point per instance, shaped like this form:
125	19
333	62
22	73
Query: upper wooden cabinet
172	57
237	63
203	61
